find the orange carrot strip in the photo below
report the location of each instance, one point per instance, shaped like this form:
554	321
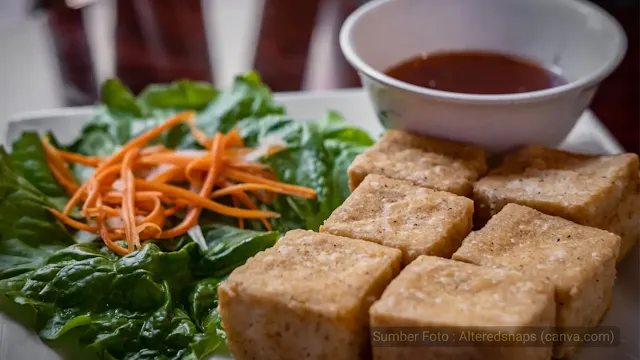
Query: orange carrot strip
216	161
174	174
104	234
192	217
199	135
236	203
143	139
244	177
54	157
128	200
187	223
104	209
139	141
191	166
142	227
264	197
196	200
110	211
248	165
90	161
153	149
246	200
233	138
115	197
203	163
166	158
72	222
69	186
156	215
236	153
253	187
93	192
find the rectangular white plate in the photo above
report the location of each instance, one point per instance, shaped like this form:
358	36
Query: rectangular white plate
589	136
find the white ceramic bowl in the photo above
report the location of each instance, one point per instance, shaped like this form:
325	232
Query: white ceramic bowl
577	37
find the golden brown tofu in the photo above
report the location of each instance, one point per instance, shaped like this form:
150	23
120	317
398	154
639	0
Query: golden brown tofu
433	163
626	222
394	213
578	260
451	299
585	189
306	298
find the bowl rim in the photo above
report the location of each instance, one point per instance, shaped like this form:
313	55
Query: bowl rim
593	78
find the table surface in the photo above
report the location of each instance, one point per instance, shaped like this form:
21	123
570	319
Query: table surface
291	43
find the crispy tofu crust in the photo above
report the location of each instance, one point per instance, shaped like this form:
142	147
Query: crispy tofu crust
437	293
438	164
394	213
307	297
626	221
585	189
578	260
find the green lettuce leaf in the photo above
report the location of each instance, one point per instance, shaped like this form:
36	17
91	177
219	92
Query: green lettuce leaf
28	160
161	301
317	156
222	257
122	115
88	303
28	231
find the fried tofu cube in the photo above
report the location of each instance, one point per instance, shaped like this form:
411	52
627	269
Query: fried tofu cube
585	189
307	297
578	260
394	213
449	300
626	222
437	164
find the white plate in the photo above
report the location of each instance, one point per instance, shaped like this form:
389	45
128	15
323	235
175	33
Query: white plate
589	135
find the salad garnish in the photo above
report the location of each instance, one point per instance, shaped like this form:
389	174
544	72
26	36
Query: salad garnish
131	187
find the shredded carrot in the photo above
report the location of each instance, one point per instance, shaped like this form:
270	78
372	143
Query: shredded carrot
141	228
90	161
236	203
192	217
104	209
199	135
138	204
233	138
253	187
154	149
128	200
246	200
139	141
166	158
69	186
195	199
92	196
54	157
72	222
190	167
245	177
104	234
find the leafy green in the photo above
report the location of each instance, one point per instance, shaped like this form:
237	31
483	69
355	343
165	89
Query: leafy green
317	156
123	115
222	257
247	97
28	231
149	304
159	302
180	95
28	159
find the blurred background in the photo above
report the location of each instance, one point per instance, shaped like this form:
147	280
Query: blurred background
55	53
